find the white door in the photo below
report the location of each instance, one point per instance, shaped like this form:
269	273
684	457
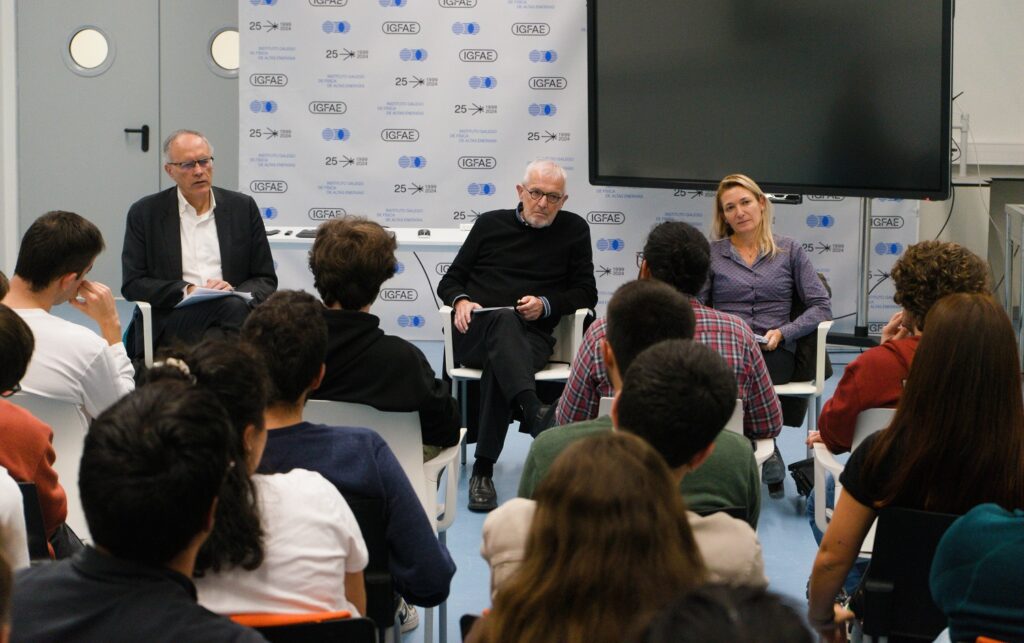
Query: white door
76	150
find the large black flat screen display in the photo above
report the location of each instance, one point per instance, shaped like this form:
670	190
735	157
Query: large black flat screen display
840	97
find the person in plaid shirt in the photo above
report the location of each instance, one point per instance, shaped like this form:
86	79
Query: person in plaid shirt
679	254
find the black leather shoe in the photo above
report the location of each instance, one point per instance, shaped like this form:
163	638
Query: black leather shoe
482	496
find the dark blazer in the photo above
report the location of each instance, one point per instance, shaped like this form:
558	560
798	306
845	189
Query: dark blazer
151	256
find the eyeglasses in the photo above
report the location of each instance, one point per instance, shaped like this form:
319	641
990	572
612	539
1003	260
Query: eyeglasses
190	165
553	197
14	389
639	259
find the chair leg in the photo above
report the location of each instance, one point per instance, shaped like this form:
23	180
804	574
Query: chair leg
462	389
428	625
442	622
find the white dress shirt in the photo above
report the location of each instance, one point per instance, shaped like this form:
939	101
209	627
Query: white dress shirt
200	247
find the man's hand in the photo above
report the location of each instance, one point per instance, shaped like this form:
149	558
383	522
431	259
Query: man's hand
813	438
530	307
894	329
218	284
774	338
97	302
464	314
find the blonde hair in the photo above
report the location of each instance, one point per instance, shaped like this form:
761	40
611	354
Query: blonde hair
720	229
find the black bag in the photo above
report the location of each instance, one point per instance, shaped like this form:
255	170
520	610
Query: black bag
803	476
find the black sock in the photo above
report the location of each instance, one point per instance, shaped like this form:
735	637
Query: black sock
528	402
483	467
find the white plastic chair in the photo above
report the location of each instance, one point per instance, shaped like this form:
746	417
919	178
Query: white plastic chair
147	329
868	421
69	428
568	336
401	432
812	389
763	448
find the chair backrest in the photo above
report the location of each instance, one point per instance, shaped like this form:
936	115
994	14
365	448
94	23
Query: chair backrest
338	630
739	513
819	356
401	432
735	423
870	421
69	428
897	598
34	527
381	603
604	407
466	623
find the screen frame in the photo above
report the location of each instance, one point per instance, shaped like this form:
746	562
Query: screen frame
945	170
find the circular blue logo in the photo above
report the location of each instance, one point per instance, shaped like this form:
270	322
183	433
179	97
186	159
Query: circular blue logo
415	162
481	189
331	134
543	56
399	267
613	245
542	109
331	26
269	213
413	54
882	248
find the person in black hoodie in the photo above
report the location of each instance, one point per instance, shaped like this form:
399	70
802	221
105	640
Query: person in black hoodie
350	259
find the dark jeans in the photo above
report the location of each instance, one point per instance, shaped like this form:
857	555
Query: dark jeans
510	351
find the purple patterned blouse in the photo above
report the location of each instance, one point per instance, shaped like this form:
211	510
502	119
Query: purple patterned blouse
762	294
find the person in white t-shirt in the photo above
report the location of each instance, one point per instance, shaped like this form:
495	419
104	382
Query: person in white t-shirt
281	543
71	362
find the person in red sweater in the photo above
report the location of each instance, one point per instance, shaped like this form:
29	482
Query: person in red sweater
26	443
927	272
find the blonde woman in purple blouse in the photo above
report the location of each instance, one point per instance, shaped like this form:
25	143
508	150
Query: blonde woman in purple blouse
759	277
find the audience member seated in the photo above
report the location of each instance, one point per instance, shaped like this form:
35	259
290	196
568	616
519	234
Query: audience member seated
26	443
193	235
729	476
957	440
13	536
723	614
927	272
152	468
976	578
5	285
678	254
290	333
71	362
283	542
609	545
677	396
351	258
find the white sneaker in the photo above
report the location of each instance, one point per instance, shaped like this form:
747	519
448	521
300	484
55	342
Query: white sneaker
408	617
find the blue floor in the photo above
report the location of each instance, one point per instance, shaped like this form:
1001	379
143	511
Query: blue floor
785	536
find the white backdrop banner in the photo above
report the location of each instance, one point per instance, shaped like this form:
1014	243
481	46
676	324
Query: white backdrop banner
424	113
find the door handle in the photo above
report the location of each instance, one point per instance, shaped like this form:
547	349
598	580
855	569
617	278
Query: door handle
144	130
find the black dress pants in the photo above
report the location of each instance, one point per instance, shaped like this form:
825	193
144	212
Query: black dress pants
190	324
510	351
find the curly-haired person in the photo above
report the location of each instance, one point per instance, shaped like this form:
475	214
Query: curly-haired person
927	272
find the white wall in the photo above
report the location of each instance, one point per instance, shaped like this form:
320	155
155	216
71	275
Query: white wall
988	56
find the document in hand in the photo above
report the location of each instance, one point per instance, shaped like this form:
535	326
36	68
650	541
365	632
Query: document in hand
477	311
199	295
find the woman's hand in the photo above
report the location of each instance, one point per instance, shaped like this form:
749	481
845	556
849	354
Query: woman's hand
835	631
774	338
894	329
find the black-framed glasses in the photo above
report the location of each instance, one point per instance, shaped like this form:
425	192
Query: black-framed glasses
553	197
14	389
639	259
190	165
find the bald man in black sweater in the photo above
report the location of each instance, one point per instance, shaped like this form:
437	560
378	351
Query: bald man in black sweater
536	261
